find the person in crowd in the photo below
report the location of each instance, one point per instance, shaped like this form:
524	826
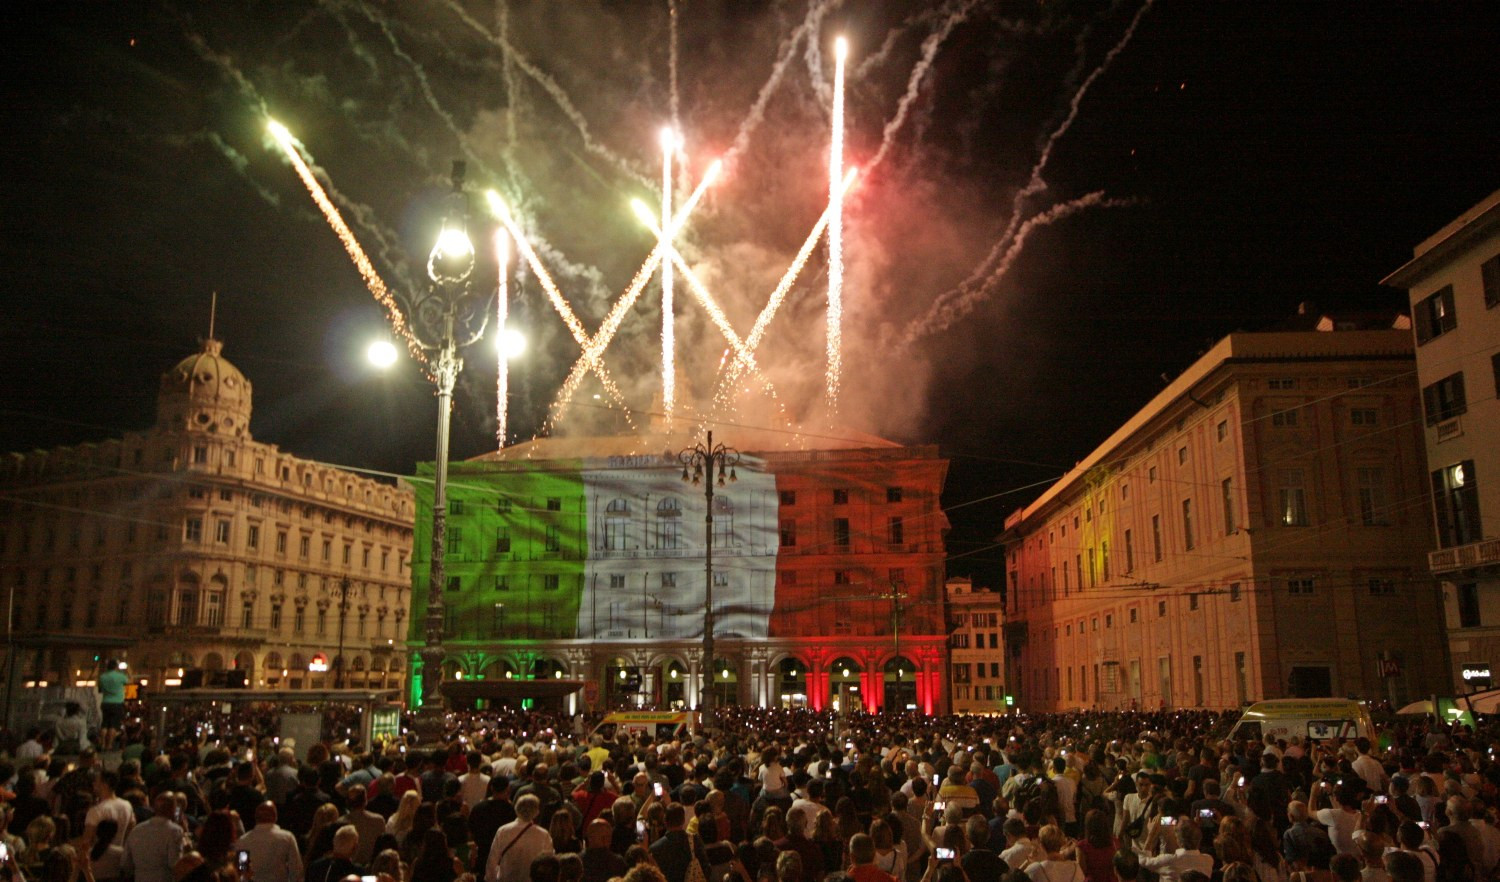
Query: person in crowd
274	855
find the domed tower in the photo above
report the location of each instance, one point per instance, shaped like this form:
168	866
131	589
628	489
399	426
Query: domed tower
205	393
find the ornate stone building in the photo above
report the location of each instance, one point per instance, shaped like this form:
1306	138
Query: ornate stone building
583	559
976	665
190	547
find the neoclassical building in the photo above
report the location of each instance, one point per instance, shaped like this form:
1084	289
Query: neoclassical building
190	548
582	559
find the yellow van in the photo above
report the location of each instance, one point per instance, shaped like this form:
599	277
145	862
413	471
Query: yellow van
1312	719
660	725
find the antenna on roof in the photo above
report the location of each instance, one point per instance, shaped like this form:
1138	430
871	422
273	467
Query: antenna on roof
213	308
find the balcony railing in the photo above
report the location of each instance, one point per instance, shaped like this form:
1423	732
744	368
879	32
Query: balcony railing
1485	552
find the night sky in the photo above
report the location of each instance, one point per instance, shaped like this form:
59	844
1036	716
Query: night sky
1246	157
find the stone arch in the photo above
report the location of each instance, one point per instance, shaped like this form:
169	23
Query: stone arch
244	660
273	661
213	661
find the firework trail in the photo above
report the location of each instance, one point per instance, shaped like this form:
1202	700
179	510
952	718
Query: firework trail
957	303
778	295
593	348
836	232
502	306
785	54
575	327
668	315
955	14
555	91
351	245
954	303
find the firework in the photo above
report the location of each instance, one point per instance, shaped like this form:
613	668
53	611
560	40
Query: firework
836	229
668	341
356	254
606	330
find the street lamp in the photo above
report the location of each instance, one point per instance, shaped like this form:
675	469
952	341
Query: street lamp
446	317
338	660
698	462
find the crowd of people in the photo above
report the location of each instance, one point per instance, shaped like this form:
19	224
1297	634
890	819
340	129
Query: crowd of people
763	796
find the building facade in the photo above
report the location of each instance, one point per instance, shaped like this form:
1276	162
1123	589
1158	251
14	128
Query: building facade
191	549
976	667
584	559
1258	530
1453	280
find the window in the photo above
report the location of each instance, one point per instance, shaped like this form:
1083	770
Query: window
1226	491
502	540
193	531
841	497
200	454
276	616
1364	416
1151	475
252	536
1455	494
455	506
896	530
617	581
365	557
1161	609
840	531
455	543
1193	601
1104	561
1065	585
551	582
1181	455
554	503
1129	553
1234	592
221	532
1124	491
1434	315
1382	587
1156	536
552	541
304	546
841	577
1109	620
1187	524
1093	573
788	534
348	554
328	545
1241	678
1370	484
502	583
1468	605
1291	499
1221	431
281	542
455	584
1444	399
788	497
1284	419
893	494
1490	271
247	614
1282	383
502	505
1301	586
322	621
1134	615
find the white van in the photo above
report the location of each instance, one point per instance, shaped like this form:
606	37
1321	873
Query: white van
660	725
1312	719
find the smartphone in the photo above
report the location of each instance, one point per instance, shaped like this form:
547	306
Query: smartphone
1206	814
250	756
1168	821
1422	824
939	806
935	780
1242	780
828	773
658	790
1381	799
945	854
368	878
4	853
243	862
640	830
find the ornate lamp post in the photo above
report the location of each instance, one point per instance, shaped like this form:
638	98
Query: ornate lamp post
338	660
446	317
698	463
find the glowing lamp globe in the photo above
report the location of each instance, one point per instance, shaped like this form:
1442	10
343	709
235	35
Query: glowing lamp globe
510	343
382	353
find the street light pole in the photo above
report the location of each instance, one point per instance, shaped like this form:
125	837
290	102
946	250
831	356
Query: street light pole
701	458
338	660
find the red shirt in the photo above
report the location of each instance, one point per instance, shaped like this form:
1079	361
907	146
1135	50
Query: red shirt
870	873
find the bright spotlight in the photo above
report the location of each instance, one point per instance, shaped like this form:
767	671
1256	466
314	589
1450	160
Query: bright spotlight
382	353
510	343
840	48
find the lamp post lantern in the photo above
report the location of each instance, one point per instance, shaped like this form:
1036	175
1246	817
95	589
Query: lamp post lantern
338	660
698	465
448	316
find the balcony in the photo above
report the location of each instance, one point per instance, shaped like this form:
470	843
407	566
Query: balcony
1485	552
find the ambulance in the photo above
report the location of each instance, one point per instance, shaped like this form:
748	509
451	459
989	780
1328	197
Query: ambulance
1312	719
660	725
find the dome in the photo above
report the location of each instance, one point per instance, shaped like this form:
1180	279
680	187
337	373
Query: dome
205	393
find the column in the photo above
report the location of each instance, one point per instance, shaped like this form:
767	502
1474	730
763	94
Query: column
648	687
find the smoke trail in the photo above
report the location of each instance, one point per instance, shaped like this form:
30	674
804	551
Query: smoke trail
555	91
812	56
955	304
672	62
880	56
987	272
242	165
784	56
954	14
1036	183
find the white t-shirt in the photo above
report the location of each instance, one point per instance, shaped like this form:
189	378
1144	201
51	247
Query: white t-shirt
1055	871
117	810
773	779
1340	826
